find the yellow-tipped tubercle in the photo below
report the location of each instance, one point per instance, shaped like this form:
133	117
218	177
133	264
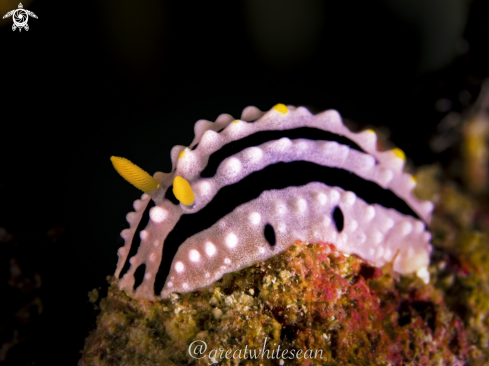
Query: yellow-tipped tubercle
134	174
281	108
399	153
182	190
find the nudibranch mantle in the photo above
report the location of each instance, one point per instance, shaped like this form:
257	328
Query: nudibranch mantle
271	220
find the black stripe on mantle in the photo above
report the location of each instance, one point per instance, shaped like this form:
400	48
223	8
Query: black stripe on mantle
258	138
274	176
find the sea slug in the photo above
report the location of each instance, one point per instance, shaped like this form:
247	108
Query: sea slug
245	190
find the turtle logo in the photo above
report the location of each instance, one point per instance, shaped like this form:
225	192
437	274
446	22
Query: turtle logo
20	17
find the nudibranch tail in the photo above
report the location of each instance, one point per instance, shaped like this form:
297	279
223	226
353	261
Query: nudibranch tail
134	174
244	190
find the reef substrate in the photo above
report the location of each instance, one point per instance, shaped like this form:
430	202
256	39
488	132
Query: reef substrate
314	297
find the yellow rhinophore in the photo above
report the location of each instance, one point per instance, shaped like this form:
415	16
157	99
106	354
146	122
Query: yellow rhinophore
183	191
134	174
399	153
281	108
236	121
181	154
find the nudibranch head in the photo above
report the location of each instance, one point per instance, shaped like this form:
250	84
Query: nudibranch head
246	189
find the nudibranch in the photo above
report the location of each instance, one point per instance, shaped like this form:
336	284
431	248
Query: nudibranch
246	189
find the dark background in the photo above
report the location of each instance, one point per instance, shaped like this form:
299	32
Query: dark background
116	77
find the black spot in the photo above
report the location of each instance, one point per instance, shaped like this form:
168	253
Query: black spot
404	314
338	218
410	309
261	137
170	196
275	176
454	345
334	339
136	239
139	275
270	234
367	271
289	332
279	313
427	311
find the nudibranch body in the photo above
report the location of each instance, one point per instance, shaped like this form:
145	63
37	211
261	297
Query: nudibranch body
244	190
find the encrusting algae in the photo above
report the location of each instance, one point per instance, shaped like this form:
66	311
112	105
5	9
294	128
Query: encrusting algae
312	297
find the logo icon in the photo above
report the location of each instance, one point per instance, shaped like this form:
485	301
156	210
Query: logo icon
20	17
